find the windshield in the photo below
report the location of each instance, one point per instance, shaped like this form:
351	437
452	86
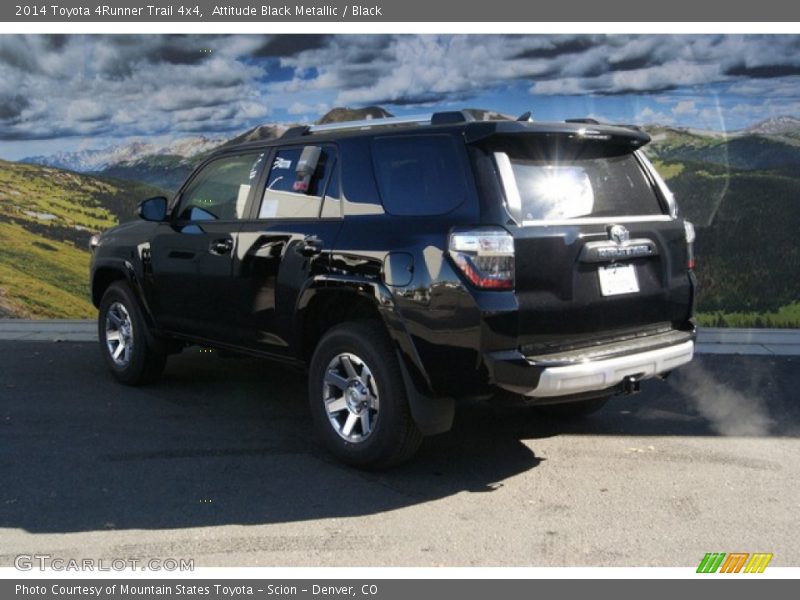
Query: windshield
554	182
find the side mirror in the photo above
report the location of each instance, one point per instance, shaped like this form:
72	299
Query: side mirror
153	209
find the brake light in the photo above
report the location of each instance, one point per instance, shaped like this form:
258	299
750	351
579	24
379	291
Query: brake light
485	257
690	237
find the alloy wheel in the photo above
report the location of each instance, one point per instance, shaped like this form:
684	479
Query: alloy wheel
119	334
350	393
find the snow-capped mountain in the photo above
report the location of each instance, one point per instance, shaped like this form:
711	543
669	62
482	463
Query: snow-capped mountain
151	161
102	158
776	126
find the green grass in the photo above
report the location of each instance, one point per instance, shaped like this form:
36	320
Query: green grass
71	198
46	218
668	170
785	317
39	282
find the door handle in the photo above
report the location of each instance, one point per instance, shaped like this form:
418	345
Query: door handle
311	246
222	246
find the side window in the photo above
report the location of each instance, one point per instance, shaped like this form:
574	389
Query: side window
220	190
332	205
288	194
418	175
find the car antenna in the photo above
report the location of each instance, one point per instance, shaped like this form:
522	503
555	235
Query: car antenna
526	116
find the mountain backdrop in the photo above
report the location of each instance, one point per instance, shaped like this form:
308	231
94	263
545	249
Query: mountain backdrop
741	189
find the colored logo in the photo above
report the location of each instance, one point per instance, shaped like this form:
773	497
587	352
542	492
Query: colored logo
734	562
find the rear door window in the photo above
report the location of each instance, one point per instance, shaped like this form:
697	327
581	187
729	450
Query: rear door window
283	197
418	175
554	182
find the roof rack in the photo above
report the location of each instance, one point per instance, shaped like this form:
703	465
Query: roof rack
295	131
379	122
438	118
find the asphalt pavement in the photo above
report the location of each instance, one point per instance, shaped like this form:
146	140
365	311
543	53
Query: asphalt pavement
219	463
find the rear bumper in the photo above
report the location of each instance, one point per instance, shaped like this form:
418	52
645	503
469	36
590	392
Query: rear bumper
516	373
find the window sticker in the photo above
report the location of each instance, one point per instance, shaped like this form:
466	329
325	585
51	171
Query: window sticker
269	209
282	163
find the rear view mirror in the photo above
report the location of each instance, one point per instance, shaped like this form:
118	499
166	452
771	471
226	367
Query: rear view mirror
306	167
153	209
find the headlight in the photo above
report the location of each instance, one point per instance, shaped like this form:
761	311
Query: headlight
94	241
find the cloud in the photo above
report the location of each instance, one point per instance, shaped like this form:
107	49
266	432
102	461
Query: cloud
648	115
17	53
763	71
425	69
142	85
556	46
301	108
283	46
11	107
132	85
771	88
408	69
685	107
84	110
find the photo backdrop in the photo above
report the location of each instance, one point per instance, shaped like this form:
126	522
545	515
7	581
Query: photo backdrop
90	125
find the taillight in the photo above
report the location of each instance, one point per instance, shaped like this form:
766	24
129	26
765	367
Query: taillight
485	257
690	236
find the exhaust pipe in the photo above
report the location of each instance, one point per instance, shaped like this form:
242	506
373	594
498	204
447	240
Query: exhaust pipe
631	385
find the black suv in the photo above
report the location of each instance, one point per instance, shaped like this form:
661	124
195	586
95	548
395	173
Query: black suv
410	261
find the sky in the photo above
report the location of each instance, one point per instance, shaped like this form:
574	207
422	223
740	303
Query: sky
61	93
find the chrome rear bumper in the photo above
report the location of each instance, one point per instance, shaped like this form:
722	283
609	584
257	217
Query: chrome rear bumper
591	375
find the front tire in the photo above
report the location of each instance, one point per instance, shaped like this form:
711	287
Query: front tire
125	340
358	399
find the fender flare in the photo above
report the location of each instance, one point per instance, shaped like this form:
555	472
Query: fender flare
431	414
128	272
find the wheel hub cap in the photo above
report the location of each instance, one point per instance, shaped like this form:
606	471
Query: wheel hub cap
357	397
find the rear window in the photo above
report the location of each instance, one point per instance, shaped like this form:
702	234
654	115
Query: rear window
418	175
562	181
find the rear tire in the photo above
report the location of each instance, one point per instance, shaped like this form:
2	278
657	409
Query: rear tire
126	342
572	411
358	398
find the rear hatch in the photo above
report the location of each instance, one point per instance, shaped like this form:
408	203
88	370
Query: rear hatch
599	254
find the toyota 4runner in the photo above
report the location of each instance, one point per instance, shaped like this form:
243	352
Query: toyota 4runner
406	262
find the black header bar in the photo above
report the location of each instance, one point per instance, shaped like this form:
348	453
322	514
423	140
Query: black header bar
440	11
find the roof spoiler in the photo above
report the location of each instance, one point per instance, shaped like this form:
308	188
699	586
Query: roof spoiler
578	129
590	121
